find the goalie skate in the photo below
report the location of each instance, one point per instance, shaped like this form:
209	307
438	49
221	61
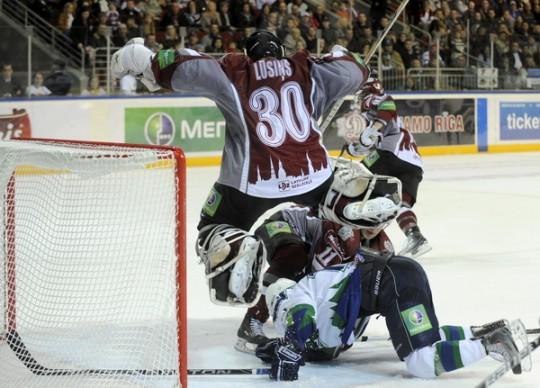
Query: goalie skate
500	345
415	246
250	335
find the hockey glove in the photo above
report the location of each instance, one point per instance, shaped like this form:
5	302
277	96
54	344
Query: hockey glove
285	360
357	149
370	137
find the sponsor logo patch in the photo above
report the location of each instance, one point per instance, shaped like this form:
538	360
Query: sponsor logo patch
416	319
212	203
276	227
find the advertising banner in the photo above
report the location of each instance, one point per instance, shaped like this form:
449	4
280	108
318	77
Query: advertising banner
519	120
15	124
194	129
433	122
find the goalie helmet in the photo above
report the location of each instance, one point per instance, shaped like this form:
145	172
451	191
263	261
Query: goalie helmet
233	262
360	199
263	44
371	92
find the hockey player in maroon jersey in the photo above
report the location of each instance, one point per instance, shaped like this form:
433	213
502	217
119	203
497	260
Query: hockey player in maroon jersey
352	216
273	151
390	150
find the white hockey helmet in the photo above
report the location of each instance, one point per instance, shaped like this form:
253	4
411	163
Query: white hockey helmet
274	290
359	198
135	59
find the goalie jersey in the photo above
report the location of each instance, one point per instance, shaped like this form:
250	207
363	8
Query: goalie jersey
270	106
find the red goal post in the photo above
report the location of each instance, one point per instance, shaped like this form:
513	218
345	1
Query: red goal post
92	263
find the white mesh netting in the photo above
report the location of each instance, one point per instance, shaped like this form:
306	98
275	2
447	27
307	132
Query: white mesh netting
88	256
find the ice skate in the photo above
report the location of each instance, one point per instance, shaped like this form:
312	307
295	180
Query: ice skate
416	245
500	346
250	334
483	330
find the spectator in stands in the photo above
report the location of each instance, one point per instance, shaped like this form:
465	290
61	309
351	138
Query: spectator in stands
469	14
149	25
263	16
82	28
293	41
409	52
65	19
376	12
58	81
170	39
151	42
133	29
232	47
429	57
120	38
193	42
113	16
9	85
153	9
191	16
37	89
328	32
208	39
393	55
226	17
130	11
173	16
99	38
94	88
210	16
311	40
246	17
216	46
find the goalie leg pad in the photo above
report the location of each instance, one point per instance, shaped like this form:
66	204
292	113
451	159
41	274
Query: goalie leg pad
233	260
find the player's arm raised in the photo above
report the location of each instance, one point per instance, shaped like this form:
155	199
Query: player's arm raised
184	71
338	74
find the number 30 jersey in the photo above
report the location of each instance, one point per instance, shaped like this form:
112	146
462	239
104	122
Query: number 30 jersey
273	147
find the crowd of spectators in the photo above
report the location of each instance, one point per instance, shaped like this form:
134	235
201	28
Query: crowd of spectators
446	33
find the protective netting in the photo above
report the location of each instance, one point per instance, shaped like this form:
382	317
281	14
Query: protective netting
88	266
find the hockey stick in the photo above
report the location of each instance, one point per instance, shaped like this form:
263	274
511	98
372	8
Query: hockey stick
335	108
17	345
225	372
533	331
501	370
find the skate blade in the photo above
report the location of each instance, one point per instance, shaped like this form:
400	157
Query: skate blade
243	346
417	252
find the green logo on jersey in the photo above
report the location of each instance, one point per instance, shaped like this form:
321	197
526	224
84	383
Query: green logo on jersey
165	58
275	227
212	203
387	105
371	158
416	319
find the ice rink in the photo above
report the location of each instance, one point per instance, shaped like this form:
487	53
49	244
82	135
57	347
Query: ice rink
481	214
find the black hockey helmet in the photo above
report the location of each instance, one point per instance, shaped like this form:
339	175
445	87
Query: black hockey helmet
262	44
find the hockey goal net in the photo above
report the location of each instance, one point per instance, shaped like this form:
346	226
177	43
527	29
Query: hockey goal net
92	265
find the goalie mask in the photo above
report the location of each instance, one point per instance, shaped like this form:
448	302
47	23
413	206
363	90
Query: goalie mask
361	199
263	44
233	262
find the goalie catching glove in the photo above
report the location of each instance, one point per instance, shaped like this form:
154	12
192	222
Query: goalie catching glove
284	358
135	59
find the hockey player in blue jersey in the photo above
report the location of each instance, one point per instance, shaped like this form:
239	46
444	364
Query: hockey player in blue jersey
316	318
329	282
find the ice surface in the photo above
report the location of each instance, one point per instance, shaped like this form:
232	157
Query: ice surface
481	214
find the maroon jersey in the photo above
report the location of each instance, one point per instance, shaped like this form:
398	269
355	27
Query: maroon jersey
273	145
